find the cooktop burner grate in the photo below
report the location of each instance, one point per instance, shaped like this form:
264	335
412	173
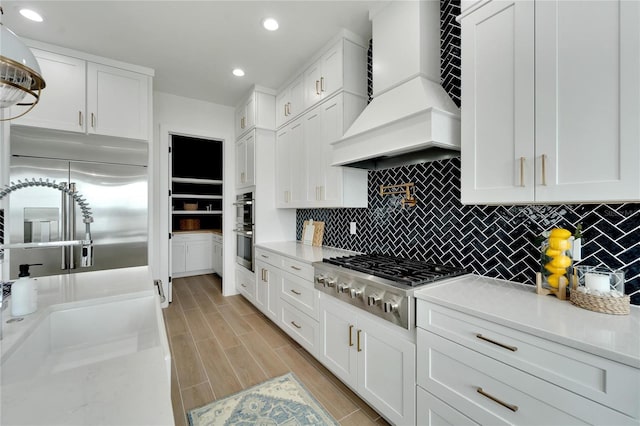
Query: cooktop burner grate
404	271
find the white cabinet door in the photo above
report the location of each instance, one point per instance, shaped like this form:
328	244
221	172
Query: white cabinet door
337	351
240	116
332	184
386	371
217	256
62	102
331	78
290	165
282	107
587	100
267	294
314	151
497	106
117	102
312	92
245	161
198	256
178	256
296	97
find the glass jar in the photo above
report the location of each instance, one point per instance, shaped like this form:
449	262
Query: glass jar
556	262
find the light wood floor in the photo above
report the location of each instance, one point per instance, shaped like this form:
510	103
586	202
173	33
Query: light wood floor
221	345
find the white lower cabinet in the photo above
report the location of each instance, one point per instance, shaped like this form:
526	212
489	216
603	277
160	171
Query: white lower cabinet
246	283
217	254
191	254
267	291
493	374
370	358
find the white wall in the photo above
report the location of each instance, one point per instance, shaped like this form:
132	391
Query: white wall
190	117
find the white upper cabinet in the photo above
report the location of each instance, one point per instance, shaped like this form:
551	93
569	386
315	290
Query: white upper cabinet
341	65
117	102
303	158
90	97
551	102
62	102
256	110
245	161
289	102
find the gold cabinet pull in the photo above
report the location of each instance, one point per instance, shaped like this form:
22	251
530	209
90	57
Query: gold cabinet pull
288	108
262	255
297	293
296	268
350	335
317	87
296	325
243	285
80	118
322	193
285	110
544	170
522	172
93	120
359	348
511	407
322	84
502	345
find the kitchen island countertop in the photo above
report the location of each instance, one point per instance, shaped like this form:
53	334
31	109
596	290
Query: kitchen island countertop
130	389
616	337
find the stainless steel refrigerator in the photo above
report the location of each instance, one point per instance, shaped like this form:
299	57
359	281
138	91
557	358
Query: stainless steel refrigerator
110	173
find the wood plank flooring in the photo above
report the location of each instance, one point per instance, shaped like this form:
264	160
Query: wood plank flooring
221	345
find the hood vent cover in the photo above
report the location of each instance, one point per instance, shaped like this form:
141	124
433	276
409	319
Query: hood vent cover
411	118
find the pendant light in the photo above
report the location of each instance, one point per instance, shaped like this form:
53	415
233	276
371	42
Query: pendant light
19	73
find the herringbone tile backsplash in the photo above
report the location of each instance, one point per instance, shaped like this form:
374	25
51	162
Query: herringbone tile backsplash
496	241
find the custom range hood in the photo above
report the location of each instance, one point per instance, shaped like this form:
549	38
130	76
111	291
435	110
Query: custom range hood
411	118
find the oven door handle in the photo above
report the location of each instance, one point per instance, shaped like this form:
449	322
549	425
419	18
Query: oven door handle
243	203
243	232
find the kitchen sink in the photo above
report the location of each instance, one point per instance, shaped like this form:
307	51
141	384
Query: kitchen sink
72	337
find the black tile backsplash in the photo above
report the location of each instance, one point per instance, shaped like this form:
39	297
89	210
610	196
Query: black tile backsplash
496	241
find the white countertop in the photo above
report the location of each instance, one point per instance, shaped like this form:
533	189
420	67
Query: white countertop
616	337
303	252
130	389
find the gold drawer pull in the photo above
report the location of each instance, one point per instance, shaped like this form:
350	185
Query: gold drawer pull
350	334
544	170
296	268
297	293
522	171
511	407
502	345
295	325
359	348
262	255
244	286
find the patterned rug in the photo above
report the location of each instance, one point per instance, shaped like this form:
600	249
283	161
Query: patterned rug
280	401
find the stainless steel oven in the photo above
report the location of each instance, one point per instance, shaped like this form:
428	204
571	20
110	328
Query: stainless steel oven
245	230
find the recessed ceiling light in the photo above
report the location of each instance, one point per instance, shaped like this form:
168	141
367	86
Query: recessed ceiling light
270	24
30	14
238	72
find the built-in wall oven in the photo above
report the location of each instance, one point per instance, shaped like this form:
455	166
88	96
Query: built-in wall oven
245	229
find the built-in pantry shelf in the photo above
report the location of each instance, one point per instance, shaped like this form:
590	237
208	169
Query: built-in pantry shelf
198	196
198	181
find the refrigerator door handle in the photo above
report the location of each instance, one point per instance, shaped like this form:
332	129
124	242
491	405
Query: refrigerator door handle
72	225
64	264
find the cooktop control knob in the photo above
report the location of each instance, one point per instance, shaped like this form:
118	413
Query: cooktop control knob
330	282
355	292
343	288
373	300
390	306
320	279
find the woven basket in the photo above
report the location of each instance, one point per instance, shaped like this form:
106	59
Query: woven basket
191	206
603	304
189	224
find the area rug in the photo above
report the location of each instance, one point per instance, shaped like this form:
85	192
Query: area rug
280	401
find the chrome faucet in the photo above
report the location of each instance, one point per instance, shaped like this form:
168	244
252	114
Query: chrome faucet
87	218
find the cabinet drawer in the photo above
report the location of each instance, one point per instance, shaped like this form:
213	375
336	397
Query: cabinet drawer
269	257
607	382
430	411
302	328
299	293
187	238
301	269
484	389
246	285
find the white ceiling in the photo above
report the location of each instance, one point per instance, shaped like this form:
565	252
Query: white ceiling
194	45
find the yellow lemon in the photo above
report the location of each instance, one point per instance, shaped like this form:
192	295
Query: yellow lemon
554	270
559	233
561	261
552	252
555	280
559	244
